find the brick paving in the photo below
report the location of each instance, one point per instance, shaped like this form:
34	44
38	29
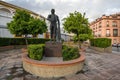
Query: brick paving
99	66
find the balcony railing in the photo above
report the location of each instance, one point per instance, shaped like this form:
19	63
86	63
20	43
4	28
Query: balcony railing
114	25
108	35
115	35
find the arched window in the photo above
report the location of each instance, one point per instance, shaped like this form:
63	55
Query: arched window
5	12
5	16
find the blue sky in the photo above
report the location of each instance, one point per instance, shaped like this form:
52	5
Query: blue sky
93	8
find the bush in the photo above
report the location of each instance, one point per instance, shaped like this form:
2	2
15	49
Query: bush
101	42
21	41
69	53
36	51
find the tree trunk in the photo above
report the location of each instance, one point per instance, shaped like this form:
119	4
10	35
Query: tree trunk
79	44
26	40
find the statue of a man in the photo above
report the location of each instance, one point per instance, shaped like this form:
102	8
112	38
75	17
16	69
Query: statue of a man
54	26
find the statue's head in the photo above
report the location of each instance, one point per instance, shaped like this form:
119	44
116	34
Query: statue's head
52	11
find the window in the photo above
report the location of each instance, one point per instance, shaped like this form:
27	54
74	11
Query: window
115	32
100	25
99	33
114	24
5	12
107	23
107	33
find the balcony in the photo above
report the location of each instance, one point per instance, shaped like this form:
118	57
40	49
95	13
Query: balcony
114	25
115	35
108	35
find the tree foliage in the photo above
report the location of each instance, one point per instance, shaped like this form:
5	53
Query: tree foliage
23	23
37	26
77	23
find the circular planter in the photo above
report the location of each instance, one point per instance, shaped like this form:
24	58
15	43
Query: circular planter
52	69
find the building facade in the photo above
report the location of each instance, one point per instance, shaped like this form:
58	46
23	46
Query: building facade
107	27
7	11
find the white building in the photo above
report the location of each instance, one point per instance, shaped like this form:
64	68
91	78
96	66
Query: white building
7	11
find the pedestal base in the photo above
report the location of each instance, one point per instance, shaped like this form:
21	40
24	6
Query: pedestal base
53	49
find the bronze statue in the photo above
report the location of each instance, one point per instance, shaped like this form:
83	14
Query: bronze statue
54	26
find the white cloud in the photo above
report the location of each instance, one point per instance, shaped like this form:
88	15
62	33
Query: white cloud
93	8
112	11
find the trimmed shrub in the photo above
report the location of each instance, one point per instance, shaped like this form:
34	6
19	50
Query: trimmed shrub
21	41
70	53
101	42
36	51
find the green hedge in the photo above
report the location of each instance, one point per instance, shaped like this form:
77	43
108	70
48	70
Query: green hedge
36	51
21	41
69	53
4	42
101	42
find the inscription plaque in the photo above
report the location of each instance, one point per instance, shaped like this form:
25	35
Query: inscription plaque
53	49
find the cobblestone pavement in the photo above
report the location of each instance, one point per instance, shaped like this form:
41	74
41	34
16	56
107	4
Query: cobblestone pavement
99	66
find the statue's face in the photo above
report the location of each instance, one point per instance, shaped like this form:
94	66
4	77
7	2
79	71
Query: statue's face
52	11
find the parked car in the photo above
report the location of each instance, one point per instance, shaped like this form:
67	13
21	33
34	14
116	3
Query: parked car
114	45
118	44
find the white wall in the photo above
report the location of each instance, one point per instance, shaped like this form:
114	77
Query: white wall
5	17
5	33
4	20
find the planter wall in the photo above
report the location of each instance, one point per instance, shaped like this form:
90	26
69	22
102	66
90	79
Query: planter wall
52	69
108	49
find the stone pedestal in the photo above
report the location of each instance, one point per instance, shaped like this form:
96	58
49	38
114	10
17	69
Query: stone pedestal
53	49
